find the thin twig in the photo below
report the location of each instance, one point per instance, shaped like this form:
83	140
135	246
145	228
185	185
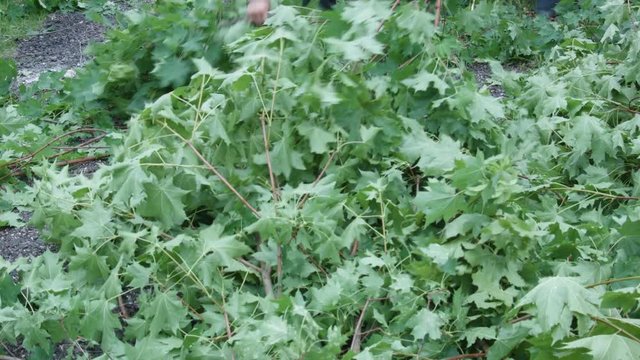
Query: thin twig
33	154
249	265
279	270
597	193
393	8
408	61
366	333
354	247
82	160
468	356
222	178
123	309
272	178
615	327
6	357
265	272
227	324
191	309
436	22
215	171
357	335
318	178
313	261
77	147
16	171
521	318
611	281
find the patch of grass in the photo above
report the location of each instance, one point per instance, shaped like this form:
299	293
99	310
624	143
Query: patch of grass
18	18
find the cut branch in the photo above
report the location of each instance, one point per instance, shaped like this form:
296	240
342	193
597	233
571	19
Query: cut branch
305	197
279	271
222	178
265	272
611	281
272	178
393	8
215	171
357	335
33	154
123	309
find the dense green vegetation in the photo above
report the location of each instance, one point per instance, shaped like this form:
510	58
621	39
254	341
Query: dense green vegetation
334	185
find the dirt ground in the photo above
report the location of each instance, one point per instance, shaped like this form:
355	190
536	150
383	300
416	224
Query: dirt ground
59	45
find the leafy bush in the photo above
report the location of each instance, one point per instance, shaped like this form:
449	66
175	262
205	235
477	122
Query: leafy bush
331	187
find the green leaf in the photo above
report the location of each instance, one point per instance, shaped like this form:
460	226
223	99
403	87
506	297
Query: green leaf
100	321
129	183
10	218
8	72
422	80
163	202
434	157
95	222
440	201
465	223
426	322
473	334
225	248
608	347
165	313
172	71
556	300
508	338
318	138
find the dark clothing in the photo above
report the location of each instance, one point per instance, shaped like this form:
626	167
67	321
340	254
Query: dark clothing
545	7
324	4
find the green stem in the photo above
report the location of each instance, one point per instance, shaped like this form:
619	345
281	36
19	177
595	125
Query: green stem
615	327
612	281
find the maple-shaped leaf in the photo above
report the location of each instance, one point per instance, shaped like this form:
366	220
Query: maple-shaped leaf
172	71
224	248
434	157
423	80
95	222
284	158
318	137
465	223
426	323
482	333
100	319
152	347
556	300
439	201
8	72
419	24
360	48
478	107
163	202
546	95
9	218
508	338
608	347
139	274
165	312
588	134
129	180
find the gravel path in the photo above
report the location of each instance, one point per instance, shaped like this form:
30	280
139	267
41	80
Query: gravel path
59	45
482	72
21	242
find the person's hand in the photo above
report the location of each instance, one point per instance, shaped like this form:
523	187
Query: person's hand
257	11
